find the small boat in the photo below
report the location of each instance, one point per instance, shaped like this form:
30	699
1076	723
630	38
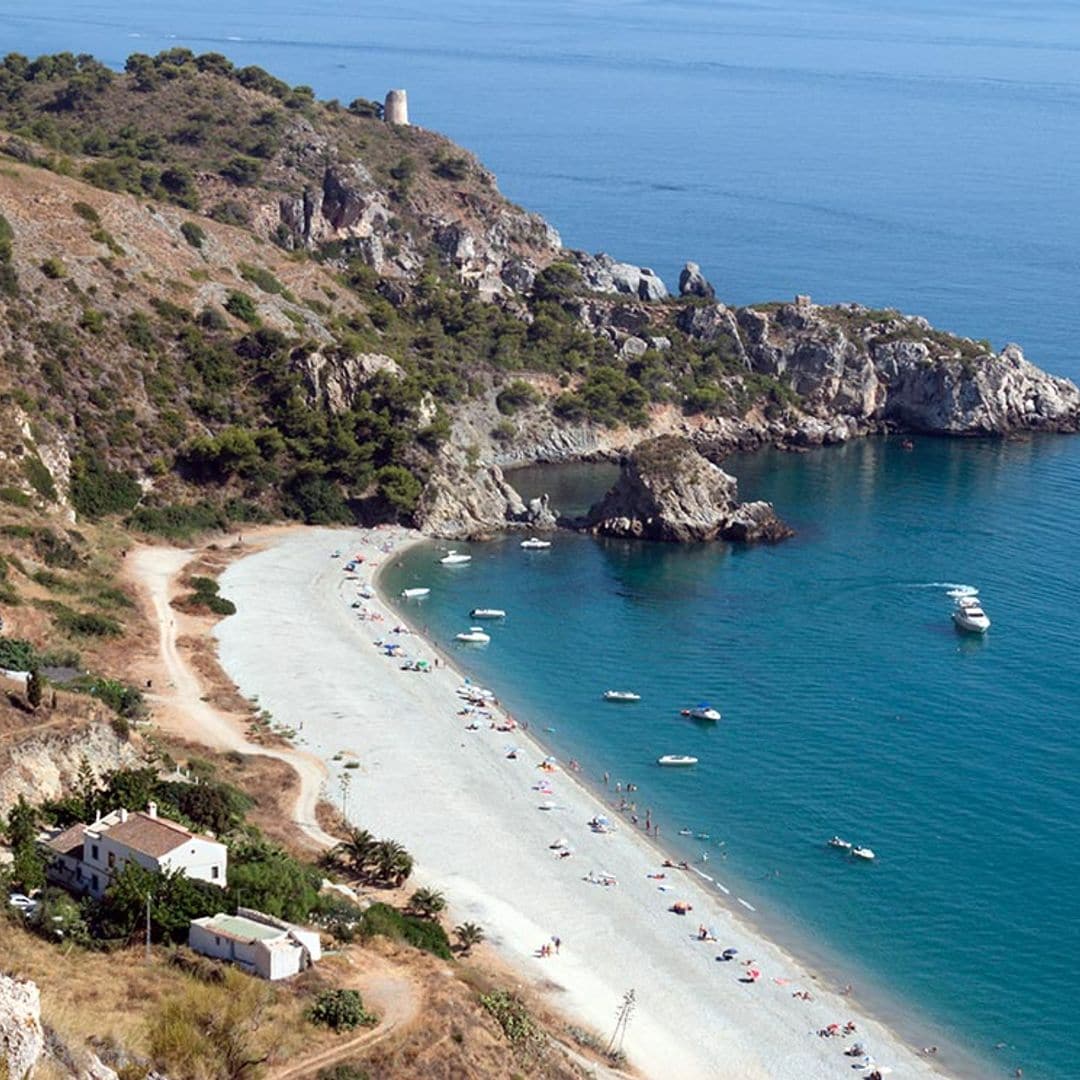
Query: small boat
487	613
838	843
474	636
676	759
969	615
455	558
702	712
621	695
862	853
534	543
414	594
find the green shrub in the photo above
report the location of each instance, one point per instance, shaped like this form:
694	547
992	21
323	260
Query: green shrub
261	278
340	1010
193	234
39	477
97	490
385	921
18	654
399	488
514	395
15	497
87	623
243	170
53	268
240	305
86	212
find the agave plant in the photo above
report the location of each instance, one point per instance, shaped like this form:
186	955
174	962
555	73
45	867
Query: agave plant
468	935
427	903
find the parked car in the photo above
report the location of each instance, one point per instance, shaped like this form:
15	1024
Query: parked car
22	903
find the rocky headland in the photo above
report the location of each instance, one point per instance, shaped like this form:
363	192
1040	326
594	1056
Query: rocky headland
229	301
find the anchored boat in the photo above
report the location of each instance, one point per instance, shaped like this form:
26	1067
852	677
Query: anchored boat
487	613
474	636
621	695
676	760
534	543
414	594
702	712
969	615
455	558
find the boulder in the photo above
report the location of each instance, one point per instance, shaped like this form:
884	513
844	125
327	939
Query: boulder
22	1039
667	491
692	282
601	273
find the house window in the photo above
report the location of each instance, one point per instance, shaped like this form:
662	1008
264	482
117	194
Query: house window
94	882
78	873
112	859
215	872
94	852
217	941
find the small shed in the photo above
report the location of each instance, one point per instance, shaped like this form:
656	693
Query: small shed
258	944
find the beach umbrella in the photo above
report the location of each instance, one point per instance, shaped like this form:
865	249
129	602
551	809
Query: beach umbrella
549	760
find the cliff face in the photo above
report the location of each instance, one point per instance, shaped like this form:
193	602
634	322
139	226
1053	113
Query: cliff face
668	491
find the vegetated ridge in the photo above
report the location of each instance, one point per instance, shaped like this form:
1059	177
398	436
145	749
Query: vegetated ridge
224	300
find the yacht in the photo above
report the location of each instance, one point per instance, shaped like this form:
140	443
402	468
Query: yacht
702	712
969	615
676	759
455	558
474	636
487	613
414	594
621	695
535	544
862	853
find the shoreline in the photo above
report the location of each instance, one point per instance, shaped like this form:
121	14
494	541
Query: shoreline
627	932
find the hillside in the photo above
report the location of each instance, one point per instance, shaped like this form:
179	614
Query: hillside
223	300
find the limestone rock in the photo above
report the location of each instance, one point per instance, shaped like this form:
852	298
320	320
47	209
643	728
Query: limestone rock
463	501
668	491
22	1039
601	273
334	381
692	282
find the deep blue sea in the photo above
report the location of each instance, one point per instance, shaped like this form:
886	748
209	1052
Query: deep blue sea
909	153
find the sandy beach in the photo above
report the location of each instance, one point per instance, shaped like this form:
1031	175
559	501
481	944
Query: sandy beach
472	817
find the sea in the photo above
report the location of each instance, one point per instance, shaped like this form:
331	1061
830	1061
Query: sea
922	154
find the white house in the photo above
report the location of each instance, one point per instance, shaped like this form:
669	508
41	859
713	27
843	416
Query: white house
257	943
85	857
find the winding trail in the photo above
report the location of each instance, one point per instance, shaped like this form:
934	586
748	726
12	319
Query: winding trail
183	708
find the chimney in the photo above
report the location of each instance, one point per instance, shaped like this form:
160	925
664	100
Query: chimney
123	815
151	809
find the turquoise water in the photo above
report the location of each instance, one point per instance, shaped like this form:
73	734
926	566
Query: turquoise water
851	705
917	154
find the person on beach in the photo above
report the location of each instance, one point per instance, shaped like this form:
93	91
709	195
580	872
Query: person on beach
557	942
607	779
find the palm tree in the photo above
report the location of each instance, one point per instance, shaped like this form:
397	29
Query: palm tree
391	862
468	935
427	903
357	851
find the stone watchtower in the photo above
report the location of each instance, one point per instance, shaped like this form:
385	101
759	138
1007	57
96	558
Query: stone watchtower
396	109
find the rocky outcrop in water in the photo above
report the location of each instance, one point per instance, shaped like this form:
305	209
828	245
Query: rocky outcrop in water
22	1039
668	491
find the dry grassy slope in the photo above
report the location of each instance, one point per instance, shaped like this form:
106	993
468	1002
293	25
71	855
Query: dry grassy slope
154	263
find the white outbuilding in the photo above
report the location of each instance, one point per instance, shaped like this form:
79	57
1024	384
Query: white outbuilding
258	944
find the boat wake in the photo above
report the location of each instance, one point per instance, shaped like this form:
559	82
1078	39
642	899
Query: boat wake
951	588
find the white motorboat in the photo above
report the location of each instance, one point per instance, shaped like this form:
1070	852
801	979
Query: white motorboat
676	759
474	636
838	843
969	615
414	594
702	712
534	543
455	558
487	613
862	853
621	695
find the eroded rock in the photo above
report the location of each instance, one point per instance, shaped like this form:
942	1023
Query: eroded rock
22	1038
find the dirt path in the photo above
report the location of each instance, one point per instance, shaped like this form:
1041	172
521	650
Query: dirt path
389	992
181	706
